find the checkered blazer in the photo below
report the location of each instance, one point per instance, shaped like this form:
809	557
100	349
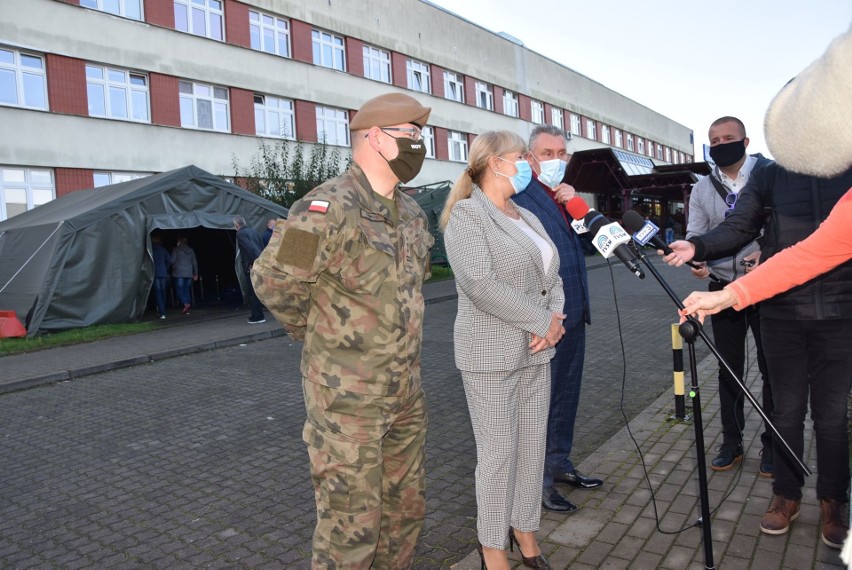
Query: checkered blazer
505	292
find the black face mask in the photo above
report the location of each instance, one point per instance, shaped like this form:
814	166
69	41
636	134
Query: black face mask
727	154
409	160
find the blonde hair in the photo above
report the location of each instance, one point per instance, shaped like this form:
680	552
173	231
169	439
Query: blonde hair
486	145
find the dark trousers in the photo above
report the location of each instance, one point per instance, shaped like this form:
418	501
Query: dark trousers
730	328
160	286
254	303
810	358
566	373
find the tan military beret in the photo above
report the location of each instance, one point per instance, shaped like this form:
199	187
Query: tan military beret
390	109
808	123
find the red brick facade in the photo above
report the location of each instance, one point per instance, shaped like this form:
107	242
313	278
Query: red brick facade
165	101
437	81
160	13
498	93
525	107
442	150
70	179
470	91
242	112
237	23
398	71
355	56
66	85
300	35
306	121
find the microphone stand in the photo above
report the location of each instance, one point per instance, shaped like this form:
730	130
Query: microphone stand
688	330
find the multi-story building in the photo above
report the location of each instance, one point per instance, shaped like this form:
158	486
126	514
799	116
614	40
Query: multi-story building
94	92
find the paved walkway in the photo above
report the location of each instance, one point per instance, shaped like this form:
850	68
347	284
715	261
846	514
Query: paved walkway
616	526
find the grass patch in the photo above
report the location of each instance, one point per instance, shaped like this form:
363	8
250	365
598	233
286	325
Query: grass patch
75	336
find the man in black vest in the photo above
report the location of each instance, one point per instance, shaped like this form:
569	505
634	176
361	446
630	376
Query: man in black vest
806	334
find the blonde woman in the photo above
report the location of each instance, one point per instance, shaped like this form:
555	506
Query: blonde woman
509	319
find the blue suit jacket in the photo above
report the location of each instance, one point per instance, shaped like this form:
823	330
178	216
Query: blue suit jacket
572	263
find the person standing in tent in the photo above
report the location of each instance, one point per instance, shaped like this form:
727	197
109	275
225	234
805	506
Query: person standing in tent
185	271
162	260
250	247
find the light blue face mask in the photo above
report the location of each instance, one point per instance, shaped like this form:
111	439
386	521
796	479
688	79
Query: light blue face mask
522	178
552	171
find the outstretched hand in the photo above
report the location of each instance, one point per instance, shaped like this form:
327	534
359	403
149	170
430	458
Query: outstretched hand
702	303
682	251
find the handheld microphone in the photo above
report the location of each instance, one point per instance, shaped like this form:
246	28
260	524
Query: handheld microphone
610	238
645	231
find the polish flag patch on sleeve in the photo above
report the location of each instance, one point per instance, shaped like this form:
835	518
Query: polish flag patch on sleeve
318	206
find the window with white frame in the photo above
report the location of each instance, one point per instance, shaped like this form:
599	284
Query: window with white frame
107	178
510	104
630	142
204	106
668	154
23	189
591	130
269	33
117	93
605	134
659	151
126	8
274	117
377	64
328	50
453	86
651	148
575	125
537	108
418	76
484	96
640	145
556	118
619	140
23	80
332	126
457	144
428	141
201	18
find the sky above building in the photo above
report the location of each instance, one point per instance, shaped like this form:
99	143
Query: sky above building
692	62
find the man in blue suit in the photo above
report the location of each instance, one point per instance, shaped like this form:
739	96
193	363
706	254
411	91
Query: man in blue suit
545	196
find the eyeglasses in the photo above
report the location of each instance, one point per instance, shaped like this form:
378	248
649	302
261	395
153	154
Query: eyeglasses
410	132
730	200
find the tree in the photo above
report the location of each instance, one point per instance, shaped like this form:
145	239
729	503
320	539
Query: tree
280	173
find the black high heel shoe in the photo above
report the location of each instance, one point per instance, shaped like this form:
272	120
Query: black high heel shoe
530	562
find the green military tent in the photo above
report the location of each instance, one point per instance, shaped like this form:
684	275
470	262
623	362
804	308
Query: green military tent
85	258
432	198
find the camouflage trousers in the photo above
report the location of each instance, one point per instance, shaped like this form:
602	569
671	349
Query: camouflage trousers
367	467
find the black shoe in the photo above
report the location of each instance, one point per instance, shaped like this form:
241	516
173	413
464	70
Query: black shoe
538	561
577	479
553	501
729	454
257	321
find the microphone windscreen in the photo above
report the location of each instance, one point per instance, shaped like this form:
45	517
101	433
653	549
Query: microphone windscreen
633	221
577	208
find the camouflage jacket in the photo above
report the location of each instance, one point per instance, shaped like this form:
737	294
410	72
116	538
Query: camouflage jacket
341	275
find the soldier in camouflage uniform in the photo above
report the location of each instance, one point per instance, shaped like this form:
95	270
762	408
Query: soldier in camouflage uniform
344	274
